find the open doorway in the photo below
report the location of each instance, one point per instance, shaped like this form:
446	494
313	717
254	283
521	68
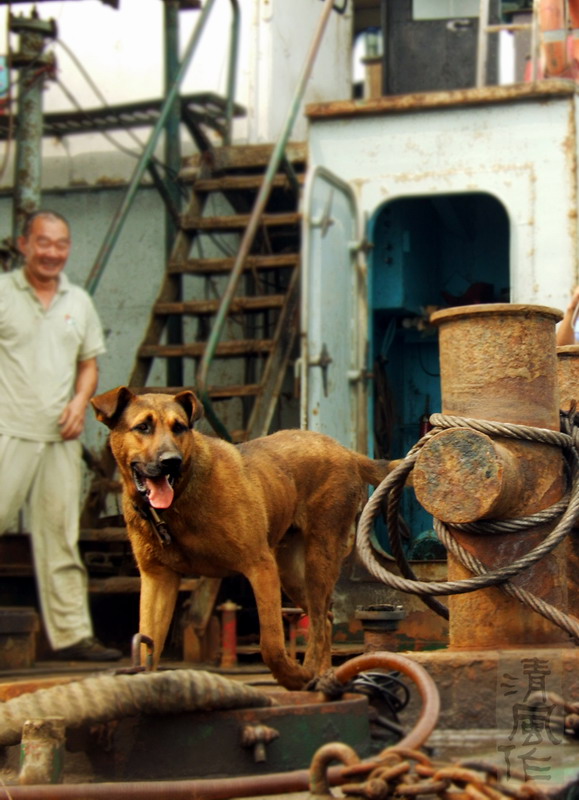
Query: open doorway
426	253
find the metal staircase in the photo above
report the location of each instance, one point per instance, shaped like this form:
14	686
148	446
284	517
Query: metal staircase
250	362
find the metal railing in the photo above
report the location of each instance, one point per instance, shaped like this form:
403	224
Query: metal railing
116	226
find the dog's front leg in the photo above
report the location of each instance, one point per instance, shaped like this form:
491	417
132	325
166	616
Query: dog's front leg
159	589
264	579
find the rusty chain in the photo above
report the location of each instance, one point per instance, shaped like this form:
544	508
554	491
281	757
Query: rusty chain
400	772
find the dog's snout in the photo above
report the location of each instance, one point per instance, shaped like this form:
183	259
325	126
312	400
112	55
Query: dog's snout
170	462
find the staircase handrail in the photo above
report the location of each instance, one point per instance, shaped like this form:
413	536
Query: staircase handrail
254	220
118	221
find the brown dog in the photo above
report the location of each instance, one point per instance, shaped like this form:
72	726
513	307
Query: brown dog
279	510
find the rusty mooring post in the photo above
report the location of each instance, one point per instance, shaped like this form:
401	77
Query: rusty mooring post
568	372
498	363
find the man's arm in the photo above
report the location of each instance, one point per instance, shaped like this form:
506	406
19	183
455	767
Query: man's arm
565	332
73	416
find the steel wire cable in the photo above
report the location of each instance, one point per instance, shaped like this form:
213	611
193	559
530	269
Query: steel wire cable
390	490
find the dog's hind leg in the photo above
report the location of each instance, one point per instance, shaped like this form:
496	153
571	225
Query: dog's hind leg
323	561
265	582
159	590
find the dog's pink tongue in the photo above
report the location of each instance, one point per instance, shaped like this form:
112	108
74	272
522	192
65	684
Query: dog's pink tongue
160	492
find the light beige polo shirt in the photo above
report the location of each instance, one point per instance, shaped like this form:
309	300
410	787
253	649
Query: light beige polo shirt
39	352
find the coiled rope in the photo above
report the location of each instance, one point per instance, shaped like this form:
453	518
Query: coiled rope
108	697
389	494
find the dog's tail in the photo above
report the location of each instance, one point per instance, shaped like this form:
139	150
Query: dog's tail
374	471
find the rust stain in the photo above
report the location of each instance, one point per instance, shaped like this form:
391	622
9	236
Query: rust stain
423	101
570	146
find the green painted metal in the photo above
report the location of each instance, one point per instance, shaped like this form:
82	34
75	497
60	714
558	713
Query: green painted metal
116	226
232	70
174	366
34	67
259	207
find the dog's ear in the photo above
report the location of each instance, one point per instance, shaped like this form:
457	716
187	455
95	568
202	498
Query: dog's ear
109	406
190	402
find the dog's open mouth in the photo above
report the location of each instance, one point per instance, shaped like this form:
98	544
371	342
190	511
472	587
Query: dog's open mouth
157	488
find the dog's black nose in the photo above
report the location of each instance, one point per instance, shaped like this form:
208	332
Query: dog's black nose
170	462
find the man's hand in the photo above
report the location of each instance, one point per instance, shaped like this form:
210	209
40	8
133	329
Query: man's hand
574	300
72	419
566	329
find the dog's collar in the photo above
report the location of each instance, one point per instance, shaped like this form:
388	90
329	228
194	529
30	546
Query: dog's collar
159	527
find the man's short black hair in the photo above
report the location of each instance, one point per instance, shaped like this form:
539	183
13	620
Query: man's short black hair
41	213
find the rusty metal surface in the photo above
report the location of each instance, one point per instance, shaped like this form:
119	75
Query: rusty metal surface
498	362
463	475
211	744
568	374
539	90
469	682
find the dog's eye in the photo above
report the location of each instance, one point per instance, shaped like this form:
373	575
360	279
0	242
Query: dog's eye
179	427
142	427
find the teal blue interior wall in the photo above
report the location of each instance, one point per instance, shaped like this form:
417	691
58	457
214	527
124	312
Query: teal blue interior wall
427	253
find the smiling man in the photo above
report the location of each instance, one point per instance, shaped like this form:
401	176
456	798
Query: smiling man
50	337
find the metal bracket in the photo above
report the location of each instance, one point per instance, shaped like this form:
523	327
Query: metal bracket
323	361
325	221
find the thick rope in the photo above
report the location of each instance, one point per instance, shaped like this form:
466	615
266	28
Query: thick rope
108	697
389	493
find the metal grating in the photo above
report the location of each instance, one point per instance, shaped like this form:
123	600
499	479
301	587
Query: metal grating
205	108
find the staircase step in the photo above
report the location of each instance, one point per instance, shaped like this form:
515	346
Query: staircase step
219	266
215	392
225	392
236	222
240	183
127	584
231	349
241	157
238	305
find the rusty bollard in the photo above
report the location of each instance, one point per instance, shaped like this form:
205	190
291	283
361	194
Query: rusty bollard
498	362
568	372
42	751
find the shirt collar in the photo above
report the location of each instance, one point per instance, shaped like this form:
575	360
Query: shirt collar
22	283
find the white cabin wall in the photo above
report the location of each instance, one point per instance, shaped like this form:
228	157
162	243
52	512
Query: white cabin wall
284	34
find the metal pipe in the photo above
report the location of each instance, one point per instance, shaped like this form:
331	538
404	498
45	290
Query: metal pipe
232	71
204	789
229	611
173	121
174	366
28	157
260	203
430	710
114	230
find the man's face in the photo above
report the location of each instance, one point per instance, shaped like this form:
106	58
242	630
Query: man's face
45	249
